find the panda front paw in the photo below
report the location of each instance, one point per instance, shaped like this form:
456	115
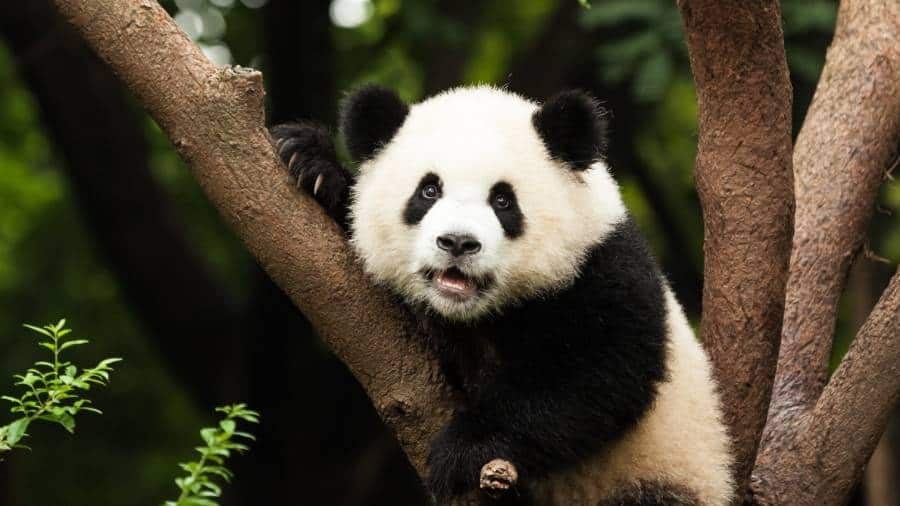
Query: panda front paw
309	155
451	473
455	462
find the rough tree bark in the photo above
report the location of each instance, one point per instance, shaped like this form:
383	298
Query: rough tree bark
847	143
743	174
843	150
214	116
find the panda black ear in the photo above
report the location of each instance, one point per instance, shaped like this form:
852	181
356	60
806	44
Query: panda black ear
572	125
370	117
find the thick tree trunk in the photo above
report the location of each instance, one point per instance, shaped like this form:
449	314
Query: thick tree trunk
744	179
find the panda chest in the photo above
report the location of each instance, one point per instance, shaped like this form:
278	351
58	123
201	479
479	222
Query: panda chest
473	360
479	367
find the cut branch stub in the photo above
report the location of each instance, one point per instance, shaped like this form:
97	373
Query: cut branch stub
498	478
744	180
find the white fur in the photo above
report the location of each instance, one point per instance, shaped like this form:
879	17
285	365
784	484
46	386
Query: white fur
472	138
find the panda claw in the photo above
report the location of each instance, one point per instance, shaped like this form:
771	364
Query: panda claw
319	179
292	160
280	145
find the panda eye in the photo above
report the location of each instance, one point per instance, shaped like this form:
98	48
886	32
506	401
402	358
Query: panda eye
430	192
501	201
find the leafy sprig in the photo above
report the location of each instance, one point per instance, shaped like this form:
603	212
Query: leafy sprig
52	388
198	488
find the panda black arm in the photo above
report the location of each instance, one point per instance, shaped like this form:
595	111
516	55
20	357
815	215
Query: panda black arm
537	427
307	150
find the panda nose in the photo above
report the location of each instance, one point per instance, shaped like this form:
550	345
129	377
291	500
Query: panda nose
458	245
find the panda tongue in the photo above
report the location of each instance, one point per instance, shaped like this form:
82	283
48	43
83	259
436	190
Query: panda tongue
454	281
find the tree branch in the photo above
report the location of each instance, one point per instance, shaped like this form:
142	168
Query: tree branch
215	118
826	460
847	142
743	173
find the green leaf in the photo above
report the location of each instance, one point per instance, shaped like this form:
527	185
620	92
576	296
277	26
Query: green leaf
39	330
58	415
11	399
74	342
209	435
16	430
228	426
28	380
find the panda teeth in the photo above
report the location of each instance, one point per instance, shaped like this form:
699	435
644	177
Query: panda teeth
455	283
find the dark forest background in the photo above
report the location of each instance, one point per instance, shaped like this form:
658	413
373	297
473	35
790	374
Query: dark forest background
101	223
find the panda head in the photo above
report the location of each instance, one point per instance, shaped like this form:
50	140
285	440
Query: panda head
477	198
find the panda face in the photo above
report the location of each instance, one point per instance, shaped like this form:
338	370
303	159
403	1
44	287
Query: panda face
465	210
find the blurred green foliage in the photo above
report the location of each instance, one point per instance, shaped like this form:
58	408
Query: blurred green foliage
50	265
200	487
53	389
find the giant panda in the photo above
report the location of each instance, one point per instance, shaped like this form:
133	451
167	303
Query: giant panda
496	222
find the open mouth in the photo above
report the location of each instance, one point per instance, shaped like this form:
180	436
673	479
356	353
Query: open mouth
455	284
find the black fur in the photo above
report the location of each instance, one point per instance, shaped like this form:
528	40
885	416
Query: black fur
553	380
308	152
651	494
417	205
511	218
370	117
573	128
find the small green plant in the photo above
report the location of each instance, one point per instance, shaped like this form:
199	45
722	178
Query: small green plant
198	487
52	389
585	3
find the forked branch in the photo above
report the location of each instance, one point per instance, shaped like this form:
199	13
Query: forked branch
847	143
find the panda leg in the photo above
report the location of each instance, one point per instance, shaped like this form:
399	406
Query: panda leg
307	151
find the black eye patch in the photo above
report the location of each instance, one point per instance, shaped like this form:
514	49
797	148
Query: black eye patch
418	204
502	200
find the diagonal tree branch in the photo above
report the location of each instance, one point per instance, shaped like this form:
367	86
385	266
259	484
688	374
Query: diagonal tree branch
743	173
215	118
847	142
821	465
